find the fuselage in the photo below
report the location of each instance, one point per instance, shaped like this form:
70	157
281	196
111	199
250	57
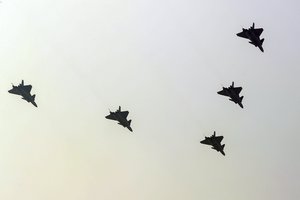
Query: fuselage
256	41
217	146
25	95
122	121
233	95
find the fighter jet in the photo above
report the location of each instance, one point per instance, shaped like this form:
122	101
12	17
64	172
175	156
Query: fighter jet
233	93
215	142
253	35
121	117
24	91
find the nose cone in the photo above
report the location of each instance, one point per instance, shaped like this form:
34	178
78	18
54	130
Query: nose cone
260	47
129	128
33	103
223	153
241	105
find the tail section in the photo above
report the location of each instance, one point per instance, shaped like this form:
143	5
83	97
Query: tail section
21	84
129	122
253	25
241	98
262	40
223	146
33	97
119	109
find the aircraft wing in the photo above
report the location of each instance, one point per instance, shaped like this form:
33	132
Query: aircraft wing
223	92
206	141
27	88
124	114
219	139
242	34
112	117
258	31
238	89
14	91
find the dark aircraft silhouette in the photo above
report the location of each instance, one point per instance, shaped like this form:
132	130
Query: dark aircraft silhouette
24	91
215	142
253	35
121	117
233	93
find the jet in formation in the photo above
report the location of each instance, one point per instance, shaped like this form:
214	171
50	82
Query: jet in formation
121	117
215	142
233	93
253	34
24	91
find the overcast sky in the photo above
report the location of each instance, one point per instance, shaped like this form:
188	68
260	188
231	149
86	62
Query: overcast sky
164	62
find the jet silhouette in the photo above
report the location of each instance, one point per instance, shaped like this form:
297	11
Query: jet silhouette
233	93
121	117
24	91
215	142
253	35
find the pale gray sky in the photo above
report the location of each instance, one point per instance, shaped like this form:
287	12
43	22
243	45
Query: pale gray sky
163	61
